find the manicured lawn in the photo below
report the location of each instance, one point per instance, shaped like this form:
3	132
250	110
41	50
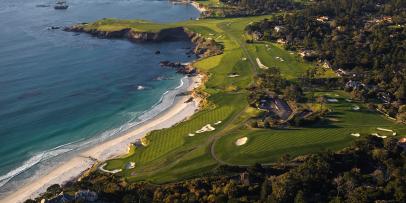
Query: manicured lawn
267	145
174	155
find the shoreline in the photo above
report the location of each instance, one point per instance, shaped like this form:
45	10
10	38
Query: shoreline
74	167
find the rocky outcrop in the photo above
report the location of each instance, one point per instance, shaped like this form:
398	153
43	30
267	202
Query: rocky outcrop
203	47
186	69
169	34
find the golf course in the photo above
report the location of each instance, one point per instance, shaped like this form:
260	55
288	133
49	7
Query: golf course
208	139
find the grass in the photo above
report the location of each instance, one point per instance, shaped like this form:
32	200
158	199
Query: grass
173	155
112	24
265	145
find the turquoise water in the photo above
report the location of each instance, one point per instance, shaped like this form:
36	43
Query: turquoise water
60	91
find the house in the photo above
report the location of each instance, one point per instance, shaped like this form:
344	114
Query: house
322	19
385	97
402	143
340	72
308	54
354	84
257	35
245	178
279	28
326	65
86	195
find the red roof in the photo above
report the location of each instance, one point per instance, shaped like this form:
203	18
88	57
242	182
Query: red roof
402	140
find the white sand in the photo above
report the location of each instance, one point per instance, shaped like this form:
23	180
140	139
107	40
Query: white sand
241	141
355	108
332	100
73	168
206	128
355	134
218	122
377	135
262	66
108	171
384	129
191	134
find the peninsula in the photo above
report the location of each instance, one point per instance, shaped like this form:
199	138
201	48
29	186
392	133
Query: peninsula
280	119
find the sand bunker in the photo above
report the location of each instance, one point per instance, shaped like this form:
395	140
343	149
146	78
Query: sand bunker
262	66
218	122
206	128
130	165
233	75
279	58
108	171
355	108
332	100
191	134
378	135
243	59
241	141
355	134
387	130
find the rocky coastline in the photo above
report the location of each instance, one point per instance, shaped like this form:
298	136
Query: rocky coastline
202	47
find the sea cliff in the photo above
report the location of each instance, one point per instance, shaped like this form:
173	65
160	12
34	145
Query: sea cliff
202	47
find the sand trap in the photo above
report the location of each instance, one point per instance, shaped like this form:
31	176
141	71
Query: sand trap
262	66
130	165
355	134
332	100
233	75
206	128
387	130
243	59
218	122
241	141
108	171
279	58
355	108
377	135
336	95
191	134
384	129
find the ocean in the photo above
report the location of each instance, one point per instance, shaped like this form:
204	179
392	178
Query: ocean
61	92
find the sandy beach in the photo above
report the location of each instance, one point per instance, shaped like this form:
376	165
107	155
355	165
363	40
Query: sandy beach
73	168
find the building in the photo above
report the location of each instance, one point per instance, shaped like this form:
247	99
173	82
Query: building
354	84
245	178
257	35
402	143
322	19
279	28
340	72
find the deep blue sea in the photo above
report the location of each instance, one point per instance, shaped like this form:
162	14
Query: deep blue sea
60	91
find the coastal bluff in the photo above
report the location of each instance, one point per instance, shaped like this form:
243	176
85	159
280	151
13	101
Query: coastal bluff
144	31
